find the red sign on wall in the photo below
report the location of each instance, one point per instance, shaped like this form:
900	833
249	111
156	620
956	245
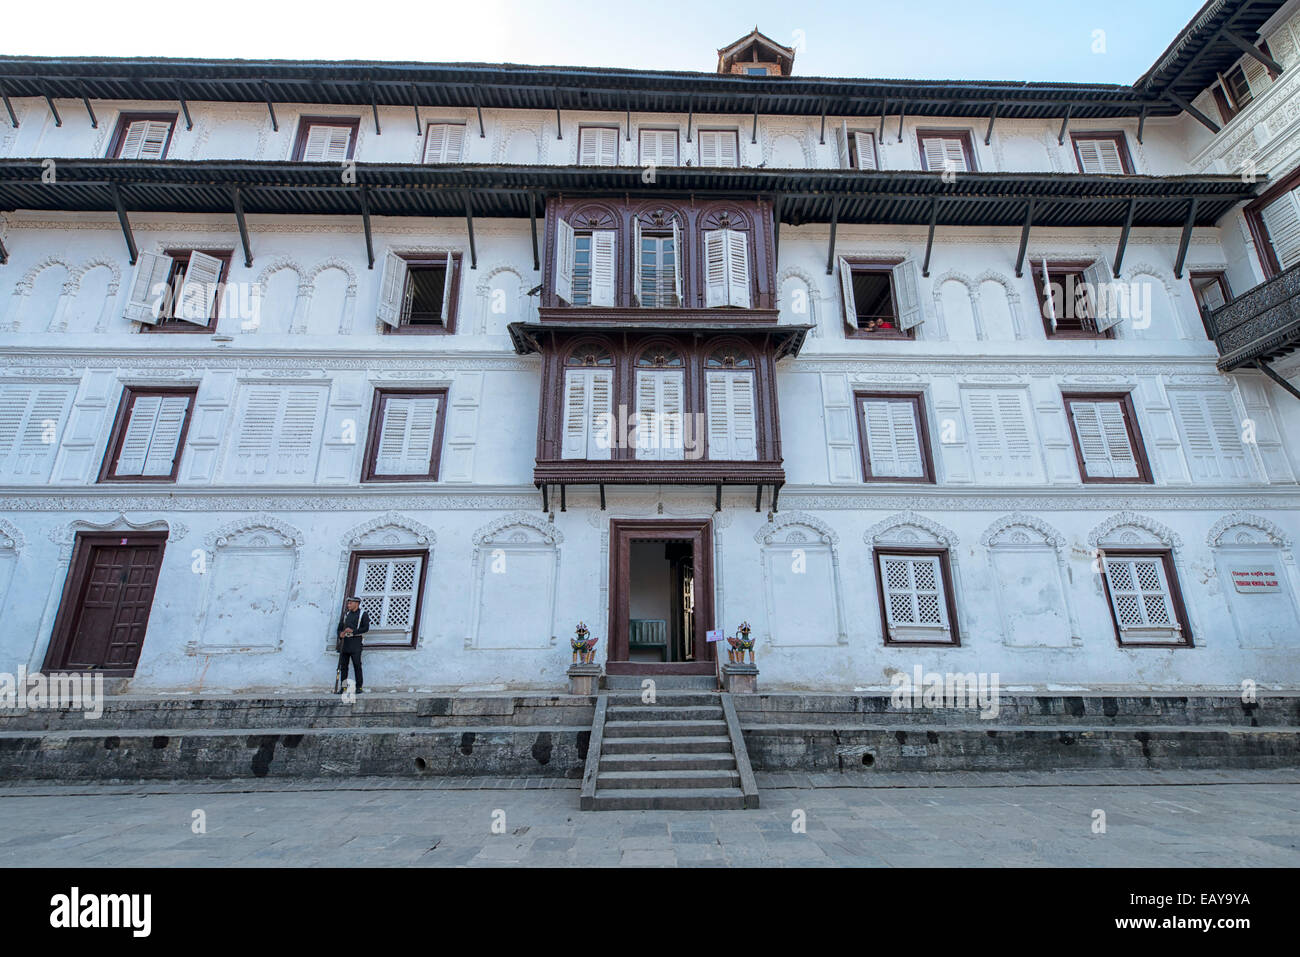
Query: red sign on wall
1255	580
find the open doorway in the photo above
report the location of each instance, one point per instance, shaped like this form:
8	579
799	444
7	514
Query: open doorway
661	604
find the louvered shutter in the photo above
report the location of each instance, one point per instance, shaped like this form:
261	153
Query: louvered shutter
406	435
297	431
131	142
907	288
327	143
715	267
1102	299
1048	299
149	288
443	142
944	154
842	144
598	146
389	590
718	148
164	444
1101	156
658	147
864	145
139	430
145	139
737	268
564	247
1140	596
587	414
1211	295
677	262
638	269
893	444
198	292
1103	439
446	289
277	433
708	148
915	606
1257	75
999	424
731	419
392	286
846	290
602	267
659	414
1211	431
1282	219
31	420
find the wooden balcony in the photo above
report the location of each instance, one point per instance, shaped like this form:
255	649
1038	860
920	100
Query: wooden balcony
1261	324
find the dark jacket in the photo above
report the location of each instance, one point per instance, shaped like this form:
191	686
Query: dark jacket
359	622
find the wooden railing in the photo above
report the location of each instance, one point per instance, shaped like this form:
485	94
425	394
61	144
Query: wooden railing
1261	323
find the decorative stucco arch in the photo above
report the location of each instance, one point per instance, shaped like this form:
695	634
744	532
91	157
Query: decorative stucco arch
814	294
483	290
23	289
936	293
1121	529
1012	294
1018	532
801	536
307	289
302	292
517	554
1272	532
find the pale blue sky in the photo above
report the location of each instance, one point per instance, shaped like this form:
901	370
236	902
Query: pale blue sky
922	39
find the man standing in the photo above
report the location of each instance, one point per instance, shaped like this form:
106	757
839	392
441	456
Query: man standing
353	623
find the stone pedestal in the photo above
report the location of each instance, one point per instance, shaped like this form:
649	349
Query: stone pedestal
584	679
739	678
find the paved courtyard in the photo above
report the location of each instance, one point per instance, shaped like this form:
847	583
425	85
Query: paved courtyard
1169	819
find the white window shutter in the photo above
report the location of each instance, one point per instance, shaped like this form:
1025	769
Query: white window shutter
737	268
588	408
842	145
907	288
893	445
455	143
256	438
1211	431
406	435
846	289
1212	295
935	152
317	139
599	422
999	425
392	286
955	156
1282	219
564	248
198	292
327	143
732	425
435	139
31	421
1257	75
447	288
708	148
139	430
1101	296
154	142
278	433
166	435
636	260
1100	156
608	149
603	269
658	147
1048	298
149	288
576	416
864	145
677	262
659	414
915	606
296	436
1140	597
1103	439
389	589
133	139
728	148
598	146
719	416
715	267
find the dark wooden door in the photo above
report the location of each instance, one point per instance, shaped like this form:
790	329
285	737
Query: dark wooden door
106	603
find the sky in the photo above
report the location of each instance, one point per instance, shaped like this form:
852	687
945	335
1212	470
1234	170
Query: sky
1100	41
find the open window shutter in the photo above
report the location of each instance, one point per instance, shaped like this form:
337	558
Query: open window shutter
1257	75
317	141
1282	219
198	291
446	289
1105	310
893	446
454	143
1048	298
602	267
133	140
935	153
392	284
1103	439
715	267
636	260
600	415
1118	447
846	288
865	146
737	268
154	141
434	142
842	144
139	430
564	261
677	262
165	440
574	440
1211	295
907	287
148	288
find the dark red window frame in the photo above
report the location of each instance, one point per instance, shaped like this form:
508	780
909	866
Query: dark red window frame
354	564
1116	136
1175	596
126	119
967	145
917	399
376	424
166	324
114	449
305	123
885	266
949	599
1259	232
658	129
406	328
735	134
875	147
1125	400
1062	269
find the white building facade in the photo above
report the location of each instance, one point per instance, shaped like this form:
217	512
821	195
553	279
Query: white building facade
259	351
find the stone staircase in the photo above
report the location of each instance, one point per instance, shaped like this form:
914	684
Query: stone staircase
681	751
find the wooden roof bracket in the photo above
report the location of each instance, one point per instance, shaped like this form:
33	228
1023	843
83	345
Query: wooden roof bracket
1065	124
1123	236
559	132
478	108
988	134
902	114
238	202
602	496
753	137
822	140
546	507
4	253
469	226
266	95
1186	238
1196	114
1024	238
563	490
776	490
94	123
1251	50
690	117
1265	368
1142	122
929	240
415	103
717	497
54	110
374	108
830	251
776	226
125	222
532	222
9	108
365	224
884	108
185	108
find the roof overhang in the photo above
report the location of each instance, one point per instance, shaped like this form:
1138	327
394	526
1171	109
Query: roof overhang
786	340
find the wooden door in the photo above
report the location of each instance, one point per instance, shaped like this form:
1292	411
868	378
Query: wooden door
106	603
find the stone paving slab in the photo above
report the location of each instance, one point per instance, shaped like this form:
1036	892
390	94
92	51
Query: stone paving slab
1175	819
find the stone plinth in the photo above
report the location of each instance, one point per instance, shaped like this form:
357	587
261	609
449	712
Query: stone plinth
584	679
740	678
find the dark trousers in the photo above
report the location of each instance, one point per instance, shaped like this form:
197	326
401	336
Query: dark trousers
343	667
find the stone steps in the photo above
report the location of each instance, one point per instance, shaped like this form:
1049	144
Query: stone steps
677	778
706	744
670	799
636	713
664	727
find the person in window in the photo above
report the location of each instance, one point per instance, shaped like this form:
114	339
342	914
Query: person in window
353	623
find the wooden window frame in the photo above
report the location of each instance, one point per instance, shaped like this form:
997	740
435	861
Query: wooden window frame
878	266
1259	232
373	437
116	437
424	139
1116	136
1214	275
1175	594
852	146
305	123
124	120
660	129
949	599
404	327
167	325
594	126
1125	400
922	432
699	159
1040	294
354	565
967	145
